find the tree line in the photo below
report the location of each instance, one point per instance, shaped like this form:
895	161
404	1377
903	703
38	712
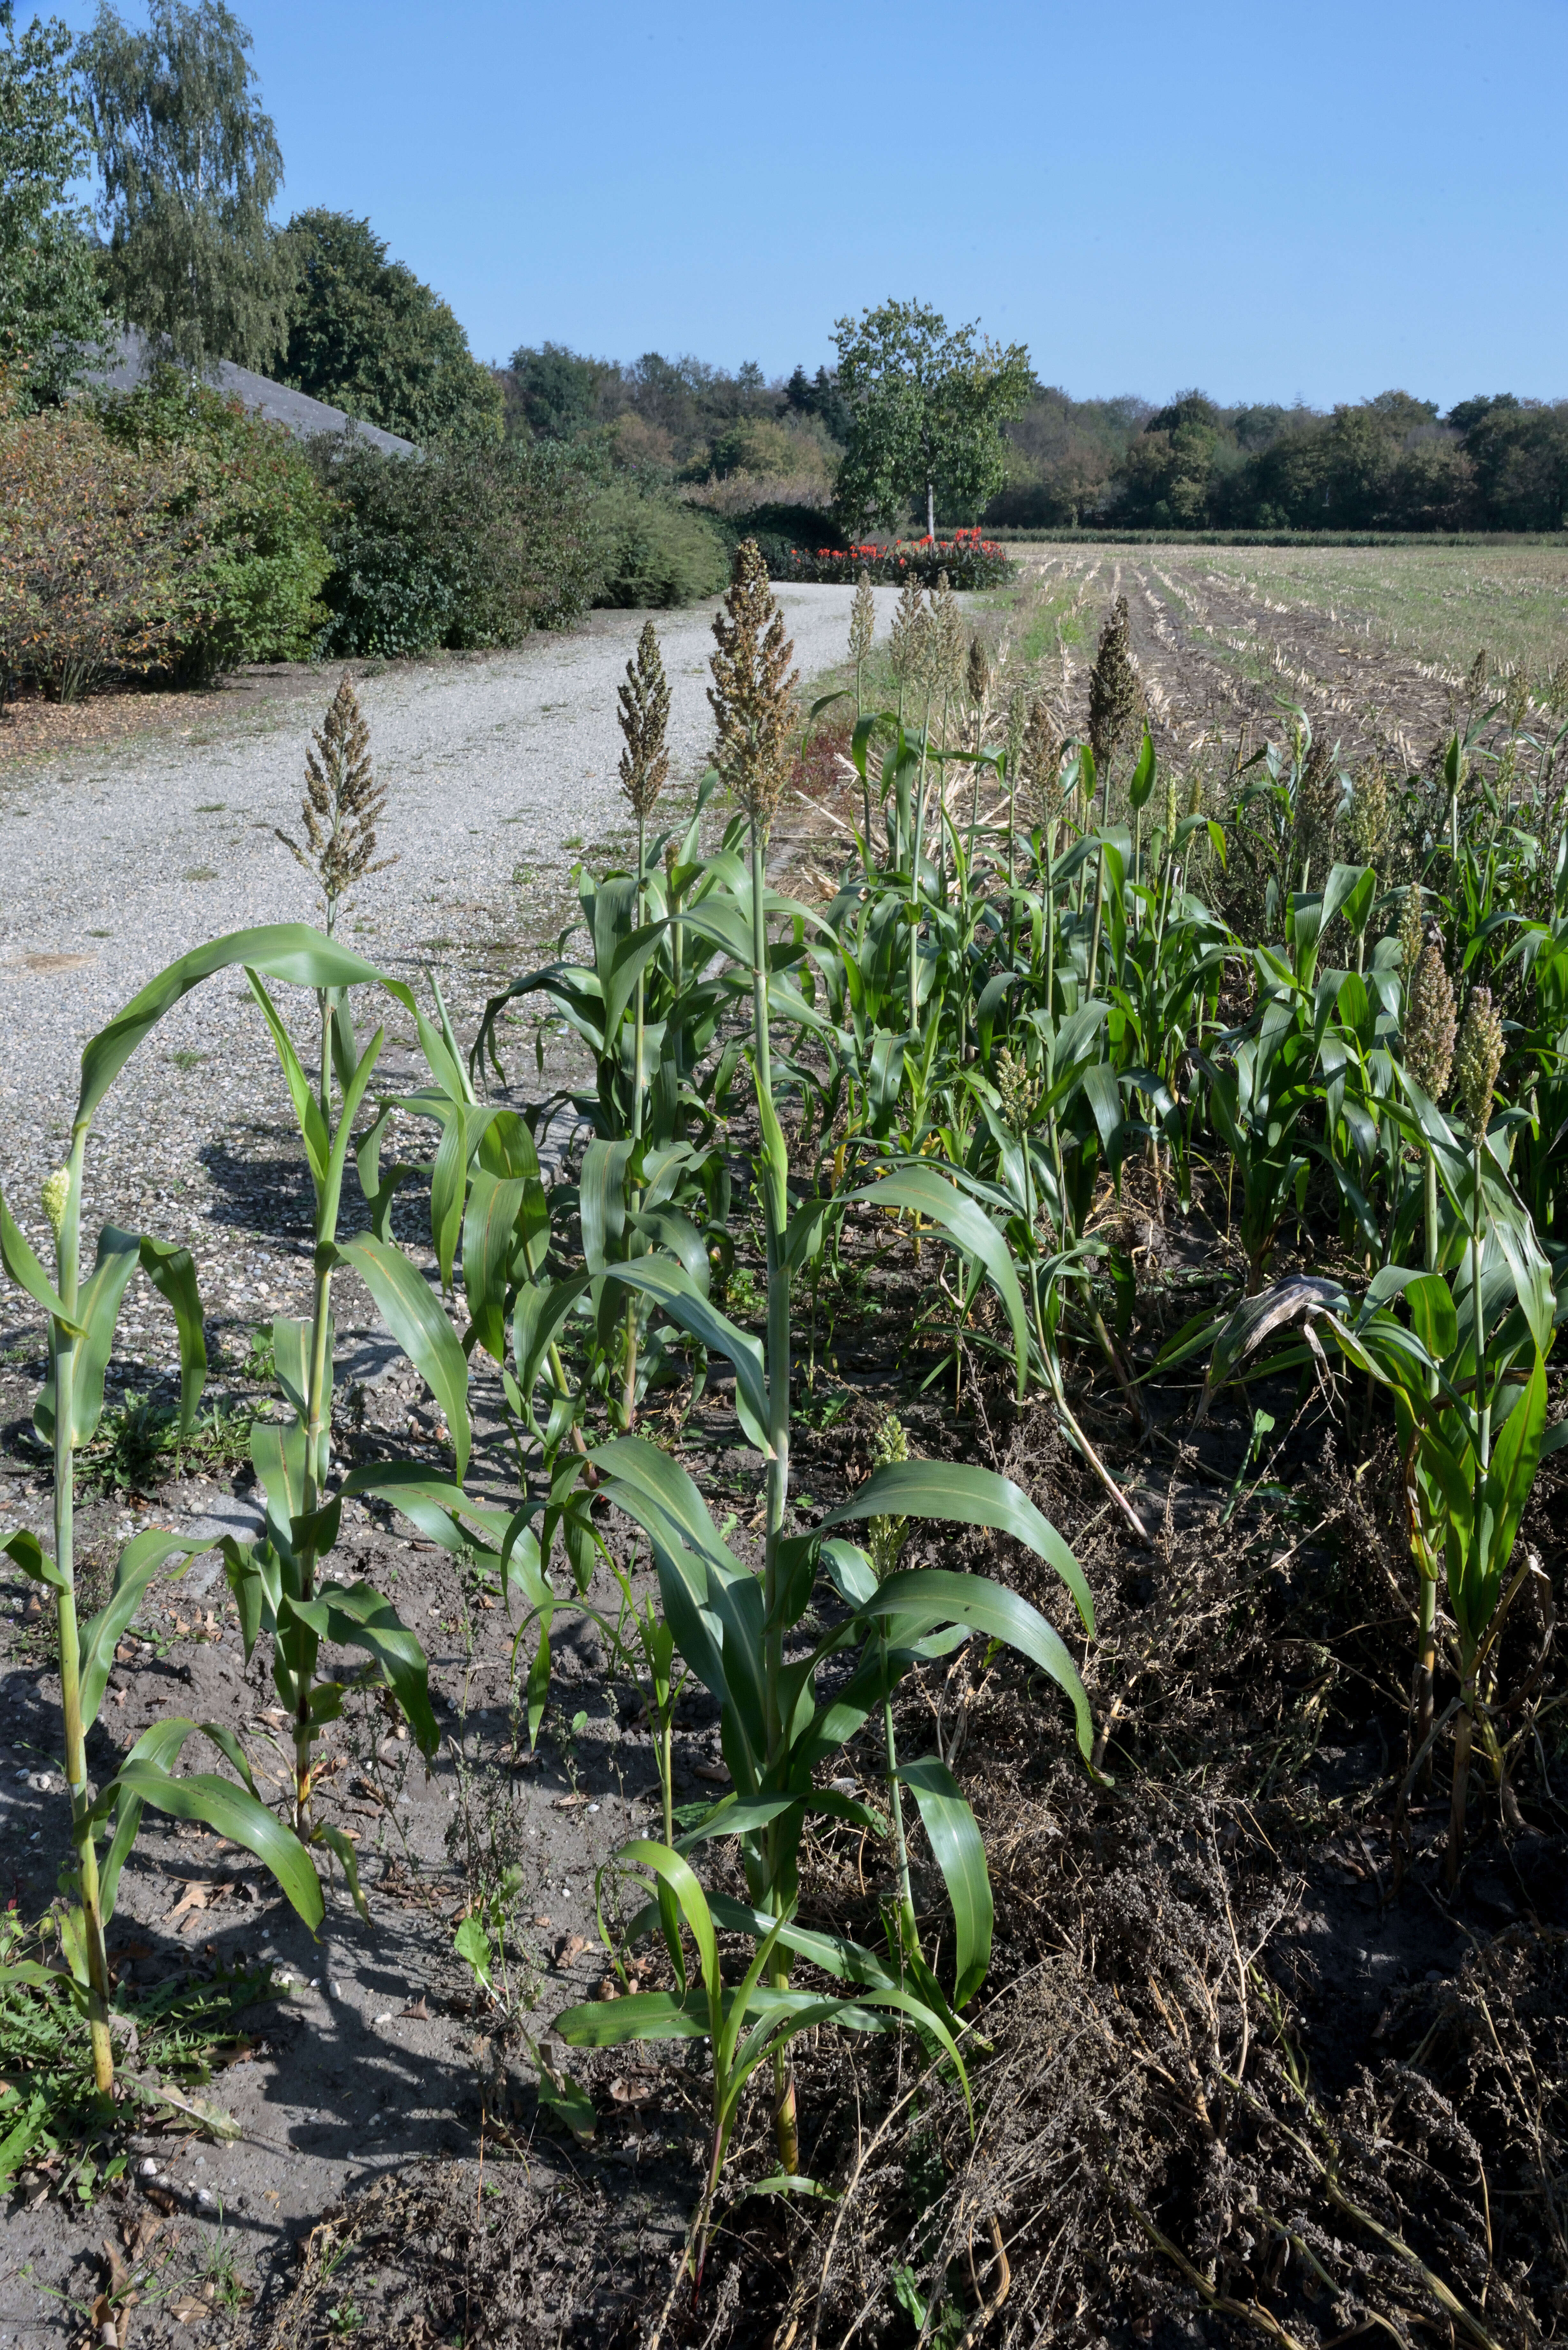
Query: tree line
1393	462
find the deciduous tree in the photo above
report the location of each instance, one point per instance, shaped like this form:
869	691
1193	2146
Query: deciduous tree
191	165
927	405
367	336
51	311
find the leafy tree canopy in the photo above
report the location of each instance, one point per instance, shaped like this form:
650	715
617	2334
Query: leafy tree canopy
51	312
554	392
927	405
191	165
366	335
819	396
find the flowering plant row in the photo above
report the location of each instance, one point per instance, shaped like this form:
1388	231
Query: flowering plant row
969	560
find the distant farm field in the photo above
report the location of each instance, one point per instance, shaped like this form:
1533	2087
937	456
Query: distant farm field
1376	643
1443	603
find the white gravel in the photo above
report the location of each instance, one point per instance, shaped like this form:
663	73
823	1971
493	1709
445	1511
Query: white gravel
501	769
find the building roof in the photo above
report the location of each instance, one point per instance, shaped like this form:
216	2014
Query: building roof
133	361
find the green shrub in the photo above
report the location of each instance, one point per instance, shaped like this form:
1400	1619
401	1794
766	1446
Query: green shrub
469	547
247	500
94	575
659	552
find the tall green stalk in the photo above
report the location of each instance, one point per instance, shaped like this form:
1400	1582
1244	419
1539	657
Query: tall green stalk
67	1258
775	1208
915	876
1477	1063
318	1444
1427	1594
640	1030
1099	918
643	714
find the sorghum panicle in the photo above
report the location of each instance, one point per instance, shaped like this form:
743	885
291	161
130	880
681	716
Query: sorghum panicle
644	714
1369	814
1116	689
1431	1023
1479	1058
55	1196
752	689
907	621
1041	765
888	1446
1412	938
862	619
952	653
343	803
1017	1089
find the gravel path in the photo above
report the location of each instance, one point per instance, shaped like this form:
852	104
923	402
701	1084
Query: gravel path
501	769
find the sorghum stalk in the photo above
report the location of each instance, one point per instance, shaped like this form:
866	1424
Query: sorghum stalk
643	714
1429	1024
318	1439
862	629
751	701
887	1535
785	2121
342	805
1479	1058
67	1262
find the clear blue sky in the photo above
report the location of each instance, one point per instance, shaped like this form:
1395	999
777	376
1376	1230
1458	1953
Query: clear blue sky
1316	201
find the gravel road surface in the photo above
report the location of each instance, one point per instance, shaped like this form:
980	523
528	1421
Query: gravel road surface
501	769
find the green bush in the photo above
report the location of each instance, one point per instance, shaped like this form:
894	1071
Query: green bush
95	578
247	499
659	552
469	547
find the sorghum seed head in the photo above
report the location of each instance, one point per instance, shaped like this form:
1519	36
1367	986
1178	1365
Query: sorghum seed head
890	1446
1318	794
979	676
953	654
1116	689
1369	813
1040	763
906	619
343	803
55	1195
753	688
643	710
1017	723
1429	1024
862	619
1017	1088
1480	1057
1412	937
